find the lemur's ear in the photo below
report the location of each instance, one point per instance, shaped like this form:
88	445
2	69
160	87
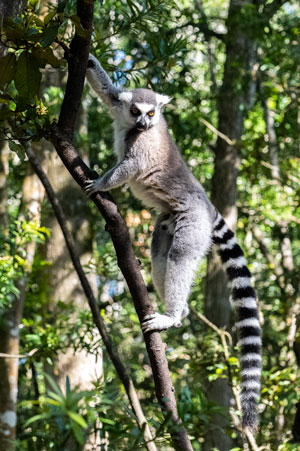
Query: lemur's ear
125	96
92	62
162	99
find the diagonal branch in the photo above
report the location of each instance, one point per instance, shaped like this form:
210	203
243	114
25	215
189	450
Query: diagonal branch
120	368
61	136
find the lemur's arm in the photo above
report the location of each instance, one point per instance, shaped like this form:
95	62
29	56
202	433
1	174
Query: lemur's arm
101	83
113	178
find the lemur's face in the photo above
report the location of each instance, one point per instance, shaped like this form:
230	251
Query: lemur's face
144	115
142	108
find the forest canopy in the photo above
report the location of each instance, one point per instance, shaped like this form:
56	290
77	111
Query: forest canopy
75	372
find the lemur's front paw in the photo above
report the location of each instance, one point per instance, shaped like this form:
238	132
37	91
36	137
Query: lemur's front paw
92	186
158	322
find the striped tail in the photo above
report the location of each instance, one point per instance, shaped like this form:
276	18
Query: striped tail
244	300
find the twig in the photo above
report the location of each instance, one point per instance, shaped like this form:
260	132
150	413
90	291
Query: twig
120	368
223	334
17	356
64	47
217	132
13	356
289	176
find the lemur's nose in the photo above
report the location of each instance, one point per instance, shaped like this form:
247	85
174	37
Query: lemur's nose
141	124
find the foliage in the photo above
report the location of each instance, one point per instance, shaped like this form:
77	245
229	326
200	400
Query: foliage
13	260
72	417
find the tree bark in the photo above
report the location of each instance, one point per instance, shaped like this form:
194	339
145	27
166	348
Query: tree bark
3	187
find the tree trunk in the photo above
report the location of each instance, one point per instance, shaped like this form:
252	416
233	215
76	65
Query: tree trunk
3	188
235	97
33	193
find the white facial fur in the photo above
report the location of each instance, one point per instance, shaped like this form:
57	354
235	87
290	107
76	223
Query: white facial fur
130	120
144	107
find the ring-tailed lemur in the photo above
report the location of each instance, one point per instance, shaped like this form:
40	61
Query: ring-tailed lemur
187	225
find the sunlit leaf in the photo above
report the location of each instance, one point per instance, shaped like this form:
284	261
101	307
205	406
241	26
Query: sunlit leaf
77	418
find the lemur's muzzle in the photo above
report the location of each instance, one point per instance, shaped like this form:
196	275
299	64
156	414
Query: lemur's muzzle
141	125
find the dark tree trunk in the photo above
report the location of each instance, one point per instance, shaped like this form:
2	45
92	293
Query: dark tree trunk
235	97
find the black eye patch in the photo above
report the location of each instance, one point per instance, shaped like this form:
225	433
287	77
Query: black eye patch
135	111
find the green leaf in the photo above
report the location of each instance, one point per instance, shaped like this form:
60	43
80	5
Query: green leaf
53	384
49	17
8	65
68	385
28	76
107	421
43	416
45	56
49	35
13	31
33	3
33	31
78	433
78	419
52	402
37	21
58	398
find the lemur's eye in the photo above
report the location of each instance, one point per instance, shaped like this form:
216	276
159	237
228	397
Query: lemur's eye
151	113
134	111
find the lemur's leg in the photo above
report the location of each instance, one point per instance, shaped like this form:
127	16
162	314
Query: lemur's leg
191	241
161	242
